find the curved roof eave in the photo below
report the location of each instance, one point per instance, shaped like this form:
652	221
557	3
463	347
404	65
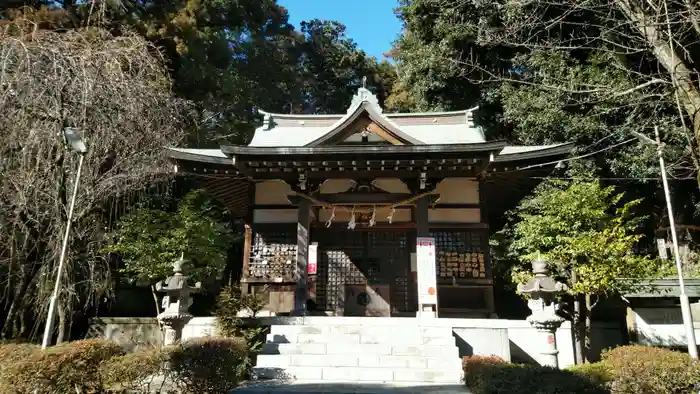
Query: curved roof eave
374	115
385	114
536	152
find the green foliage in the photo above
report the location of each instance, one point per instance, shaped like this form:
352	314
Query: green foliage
208	365
230	303
599	372
475	369
149	240
66	368
578	226
643	369
203	365
231	57
493	376
137	371
537	83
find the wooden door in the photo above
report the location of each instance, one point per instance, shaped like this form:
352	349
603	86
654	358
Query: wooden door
348	259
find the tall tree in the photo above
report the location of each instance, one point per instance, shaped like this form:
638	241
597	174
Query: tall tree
332	68
226	57
149	239
231	57
587	232
588	72
115	90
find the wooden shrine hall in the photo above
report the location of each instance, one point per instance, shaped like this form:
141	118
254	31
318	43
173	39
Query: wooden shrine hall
333	205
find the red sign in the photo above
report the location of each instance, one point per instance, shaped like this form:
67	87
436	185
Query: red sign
550	339
312	266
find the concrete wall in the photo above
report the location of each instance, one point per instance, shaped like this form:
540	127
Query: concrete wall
664	326
513	340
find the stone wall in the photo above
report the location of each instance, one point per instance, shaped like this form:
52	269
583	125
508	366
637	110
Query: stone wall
663	326
145	332
513	340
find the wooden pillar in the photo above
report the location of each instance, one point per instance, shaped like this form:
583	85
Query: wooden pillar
422	208
422	230
303	233
247	245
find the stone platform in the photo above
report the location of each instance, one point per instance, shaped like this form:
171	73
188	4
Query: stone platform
396	351
280	387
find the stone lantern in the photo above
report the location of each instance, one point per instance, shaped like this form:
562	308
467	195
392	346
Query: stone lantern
176	302
541	290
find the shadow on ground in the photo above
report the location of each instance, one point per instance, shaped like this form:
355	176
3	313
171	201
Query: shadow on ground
278	387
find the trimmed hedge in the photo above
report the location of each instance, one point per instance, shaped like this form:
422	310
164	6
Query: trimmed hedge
208	365
599	372
475	369
67	368
201	366
143	371
493	375
645	369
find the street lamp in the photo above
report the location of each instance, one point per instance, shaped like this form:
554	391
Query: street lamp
685	302
73	138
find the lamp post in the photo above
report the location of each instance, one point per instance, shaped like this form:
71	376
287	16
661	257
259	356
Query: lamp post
73	138
685	302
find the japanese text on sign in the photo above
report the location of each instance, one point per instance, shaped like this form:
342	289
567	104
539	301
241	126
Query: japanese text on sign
427	281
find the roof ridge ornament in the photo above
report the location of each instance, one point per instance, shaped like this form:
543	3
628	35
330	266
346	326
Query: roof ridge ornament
364	95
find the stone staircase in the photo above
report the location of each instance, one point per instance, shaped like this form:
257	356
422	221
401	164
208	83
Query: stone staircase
367	350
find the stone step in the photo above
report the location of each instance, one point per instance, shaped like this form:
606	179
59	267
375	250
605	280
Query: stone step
399	339
361	349
342	387
362	330
358	374
363	361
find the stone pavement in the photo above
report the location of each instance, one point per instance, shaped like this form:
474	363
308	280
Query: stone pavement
281	387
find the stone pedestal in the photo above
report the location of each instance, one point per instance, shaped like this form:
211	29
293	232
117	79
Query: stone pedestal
547	323
176	303
172	327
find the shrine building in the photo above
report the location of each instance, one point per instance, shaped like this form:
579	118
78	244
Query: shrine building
333	205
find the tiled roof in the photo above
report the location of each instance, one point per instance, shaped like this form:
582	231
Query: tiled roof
426	128
431	128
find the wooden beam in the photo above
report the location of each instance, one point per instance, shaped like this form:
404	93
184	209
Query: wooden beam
459	226
247	245
367	198
422	225
383	226
273	206
373	127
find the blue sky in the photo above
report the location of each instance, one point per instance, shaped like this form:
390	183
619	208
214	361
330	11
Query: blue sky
370	23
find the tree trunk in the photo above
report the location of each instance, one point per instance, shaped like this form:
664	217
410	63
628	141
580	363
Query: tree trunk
155	299
15	306
587	336
577	327
62	322
666	55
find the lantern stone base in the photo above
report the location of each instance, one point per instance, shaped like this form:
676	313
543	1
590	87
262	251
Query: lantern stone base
172	326
547	325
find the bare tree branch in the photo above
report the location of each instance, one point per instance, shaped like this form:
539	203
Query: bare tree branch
118	93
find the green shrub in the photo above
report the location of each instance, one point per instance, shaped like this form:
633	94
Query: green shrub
230	302
67	368
208	365
493	375
11	352
599	372
644	369
475	367
534	379
139	371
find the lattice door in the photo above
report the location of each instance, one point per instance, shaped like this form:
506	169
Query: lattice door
349	257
